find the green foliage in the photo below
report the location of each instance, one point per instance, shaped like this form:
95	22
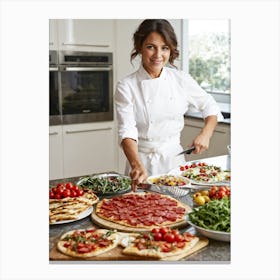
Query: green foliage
209	61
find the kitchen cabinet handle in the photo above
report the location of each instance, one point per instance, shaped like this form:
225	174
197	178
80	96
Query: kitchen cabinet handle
88	68
88	130
85	45
53	68
53	133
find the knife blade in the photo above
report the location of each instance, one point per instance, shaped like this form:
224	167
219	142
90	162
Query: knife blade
187	151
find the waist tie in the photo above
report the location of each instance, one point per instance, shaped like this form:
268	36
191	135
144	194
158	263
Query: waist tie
156	150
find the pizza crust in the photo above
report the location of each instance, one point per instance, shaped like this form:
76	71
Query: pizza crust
98	251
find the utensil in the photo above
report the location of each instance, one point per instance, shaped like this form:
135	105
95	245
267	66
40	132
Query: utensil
187	151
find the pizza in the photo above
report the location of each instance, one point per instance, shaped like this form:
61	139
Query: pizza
160	243
69	208
201	172
85	243
142	210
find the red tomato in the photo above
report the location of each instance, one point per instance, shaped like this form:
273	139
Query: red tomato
221	194
57	196
91	230
155	230
193	165
73	193
84	250
79	192
75	188
66	244
165	247
180	244
179	238
222	189
157	236
59	190
182	168
163	230
69	186
169	237
60	185
51	194
66	193
175	231
186	167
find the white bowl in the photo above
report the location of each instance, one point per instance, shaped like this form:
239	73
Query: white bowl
174	190
213	234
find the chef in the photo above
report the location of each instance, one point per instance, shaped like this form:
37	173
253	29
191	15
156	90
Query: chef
151	103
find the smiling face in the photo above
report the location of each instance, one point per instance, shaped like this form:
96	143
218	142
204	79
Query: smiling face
155	54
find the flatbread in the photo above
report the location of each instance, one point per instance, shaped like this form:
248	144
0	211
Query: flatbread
94	241
156	249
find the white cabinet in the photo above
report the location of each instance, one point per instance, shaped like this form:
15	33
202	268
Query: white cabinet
218	142
82	149
86	34
53	34
55	152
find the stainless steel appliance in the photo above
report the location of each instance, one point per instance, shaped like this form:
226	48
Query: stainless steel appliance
86	87
54	104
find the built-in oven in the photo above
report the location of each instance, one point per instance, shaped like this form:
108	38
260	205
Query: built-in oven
85	83
54	104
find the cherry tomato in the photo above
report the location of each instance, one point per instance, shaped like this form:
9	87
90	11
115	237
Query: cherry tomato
79	192
59	190
57	196
73	194
175	232
193	165
69	186
180	244
179	238
66	193
163	230
60	185
169	237
222	189
155	230
186	167
75	188
51	194
221	194
157	236
182	168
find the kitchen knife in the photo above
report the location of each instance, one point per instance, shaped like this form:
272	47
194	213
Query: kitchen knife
187	151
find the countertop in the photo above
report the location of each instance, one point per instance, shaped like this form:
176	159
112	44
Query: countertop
215	252
225	110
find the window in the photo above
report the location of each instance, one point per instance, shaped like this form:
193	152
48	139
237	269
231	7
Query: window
208	57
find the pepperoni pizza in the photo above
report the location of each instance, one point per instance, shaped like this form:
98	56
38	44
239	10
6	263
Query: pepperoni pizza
142	210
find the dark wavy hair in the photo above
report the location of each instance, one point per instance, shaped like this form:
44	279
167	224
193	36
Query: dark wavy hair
161	26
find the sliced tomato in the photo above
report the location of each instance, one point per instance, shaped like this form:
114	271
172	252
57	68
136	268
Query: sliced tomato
180	244
179	238
166	247
84	250
155	230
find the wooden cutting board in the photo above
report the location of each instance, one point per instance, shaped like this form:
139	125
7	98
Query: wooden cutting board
117	255
111	225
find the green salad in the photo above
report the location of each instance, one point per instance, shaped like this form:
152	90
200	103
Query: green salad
214	215
106	185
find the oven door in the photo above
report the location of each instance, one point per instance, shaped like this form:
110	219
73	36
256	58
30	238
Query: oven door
86	94
54	107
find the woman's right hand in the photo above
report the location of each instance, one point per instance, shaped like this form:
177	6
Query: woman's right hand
138	175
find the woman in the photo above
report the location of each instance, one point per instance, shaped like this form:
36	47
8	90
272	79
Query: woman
151	104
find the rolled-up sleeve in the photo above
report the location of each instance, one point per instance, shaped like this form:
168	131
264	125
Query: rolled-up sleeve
125	112
200	100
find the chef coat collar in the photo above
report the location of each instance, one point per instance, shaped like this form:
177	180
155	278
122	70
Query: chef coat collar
144	75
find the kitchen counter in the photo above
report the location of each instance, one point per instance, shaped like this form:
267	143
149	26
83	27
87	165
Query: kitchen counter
225	110
215	252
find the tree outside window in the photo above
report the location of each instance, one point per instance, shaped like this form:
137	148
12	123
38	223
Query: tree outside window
209	54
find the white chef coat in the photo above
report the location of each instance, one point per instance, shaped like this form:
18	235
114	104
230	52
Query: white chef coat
151	111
